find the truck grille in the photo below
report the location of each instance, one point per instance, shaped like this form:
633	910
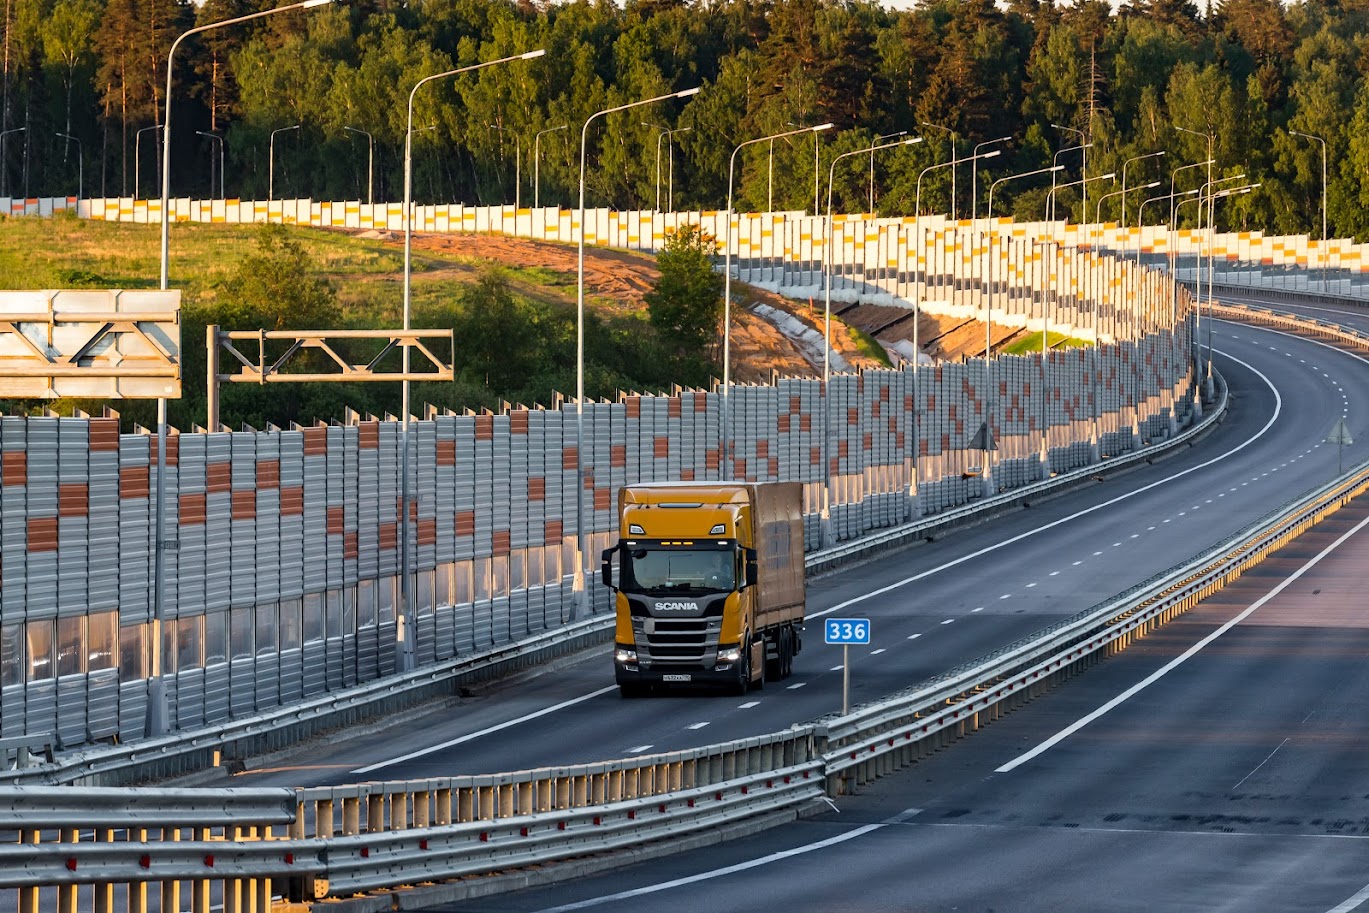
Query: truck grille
682	641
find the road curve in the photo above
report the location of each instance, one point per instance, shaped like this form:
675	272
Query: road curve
932	606
1235	779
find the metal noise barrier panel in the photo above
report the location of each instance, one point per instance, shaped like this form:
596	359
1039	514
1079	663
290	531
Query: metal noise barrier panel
376	836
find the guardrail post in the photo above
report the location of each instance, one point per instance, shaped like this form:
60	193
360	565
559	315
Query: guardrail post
171	889
375	813
102	900
422	815
199	888
28	897
351	815
66	894
137	893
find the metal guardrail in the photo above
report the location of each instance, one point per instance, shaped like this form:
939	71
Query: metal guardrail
202	749
372	837
354	843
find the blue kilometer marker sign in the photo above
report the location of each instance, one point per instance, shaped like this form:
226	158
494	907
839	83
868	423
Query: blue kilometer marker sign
846	630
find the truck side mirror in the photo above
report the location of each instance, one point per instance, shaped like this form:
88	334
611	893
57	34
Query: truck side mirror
752	567
606	568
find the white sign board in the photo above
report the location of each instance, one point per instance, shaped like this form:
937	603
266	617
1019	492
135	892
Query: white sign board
100	344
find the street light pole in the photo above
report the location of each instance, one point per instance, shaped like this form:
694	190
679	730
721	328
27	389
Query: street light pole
1137	158
370	163
271	162
157	685
537	163
580	583
4	159
953	162
724	441
827	331
988	323
1321	248
670	165
1083	147
138	157
1050	197
877	139
406	642
974	173
219	139
80	168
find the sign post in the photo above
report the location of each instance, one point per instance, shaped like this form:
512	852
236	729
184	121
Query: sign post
1340	436
846	631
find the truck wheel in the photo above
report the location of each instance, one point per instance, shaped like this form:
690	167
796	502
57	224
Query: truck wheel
774	668
743	683
786	652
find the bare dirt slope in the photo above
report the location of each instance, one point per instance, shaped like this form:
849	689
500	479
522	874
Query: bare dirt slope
616	281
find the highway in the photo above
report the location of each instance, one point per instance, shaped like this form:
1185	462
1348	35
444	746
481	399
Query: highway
932	606
1225	771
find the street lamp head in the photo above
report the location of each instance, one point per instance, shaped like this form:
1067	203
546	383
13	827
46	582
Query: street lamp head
685	93
820	127
991	154
912	140
310	4
1150	185
1105	177
532	54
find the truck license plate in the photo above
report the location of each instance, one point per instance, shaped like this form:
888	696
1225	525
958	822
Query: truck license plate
677	678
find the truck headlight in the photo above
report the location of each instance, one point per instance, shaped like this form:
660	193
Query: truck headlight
732	654
624	655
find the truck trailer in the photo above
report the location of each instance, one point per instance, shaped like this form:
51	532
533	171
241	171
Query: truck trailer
708	581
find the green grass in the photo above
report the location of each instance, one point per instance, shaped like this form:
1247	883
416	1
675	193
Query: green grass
869	346
1031	343
64	251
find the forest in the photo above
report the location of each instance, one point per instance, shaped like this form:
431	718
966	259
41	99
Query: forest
313	103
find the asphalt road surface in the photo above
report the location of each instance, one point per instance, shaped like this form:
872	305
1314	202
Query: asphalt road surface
932	606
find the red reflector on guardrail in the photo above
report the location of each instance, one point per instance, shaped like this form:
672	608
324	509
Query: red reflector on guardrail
365	852
484	837
145	861
71	865
209	861
289	858
423	844
522	832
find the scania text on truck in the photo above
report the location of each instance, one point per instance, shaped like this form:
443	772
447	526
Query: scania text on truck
709	586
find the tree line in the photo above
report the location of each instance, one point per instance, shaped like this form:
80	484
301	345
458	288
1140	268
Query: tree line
1260	83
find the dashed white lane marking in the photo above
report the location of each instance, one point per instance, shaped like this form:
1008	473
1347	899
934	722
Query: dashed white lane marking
914	636
877	652
980	609
1030	585
697	725
1151	529
1135	535
638	749
748	705
1011	540
835	669
1055	573
1077	563
470	736
1096	554
1006	596
1116	544
948	621
797	685
1181	658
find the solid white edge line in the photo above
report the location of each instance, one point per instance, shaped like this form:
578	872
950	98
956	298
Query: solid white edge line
483	732
731	869
1074	516
1179	660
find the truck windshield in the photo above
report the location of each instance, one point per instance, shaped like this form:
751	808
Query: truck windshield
659	570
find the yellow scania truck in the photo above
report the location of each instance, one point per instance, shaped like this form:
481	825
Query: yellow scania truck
708	580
